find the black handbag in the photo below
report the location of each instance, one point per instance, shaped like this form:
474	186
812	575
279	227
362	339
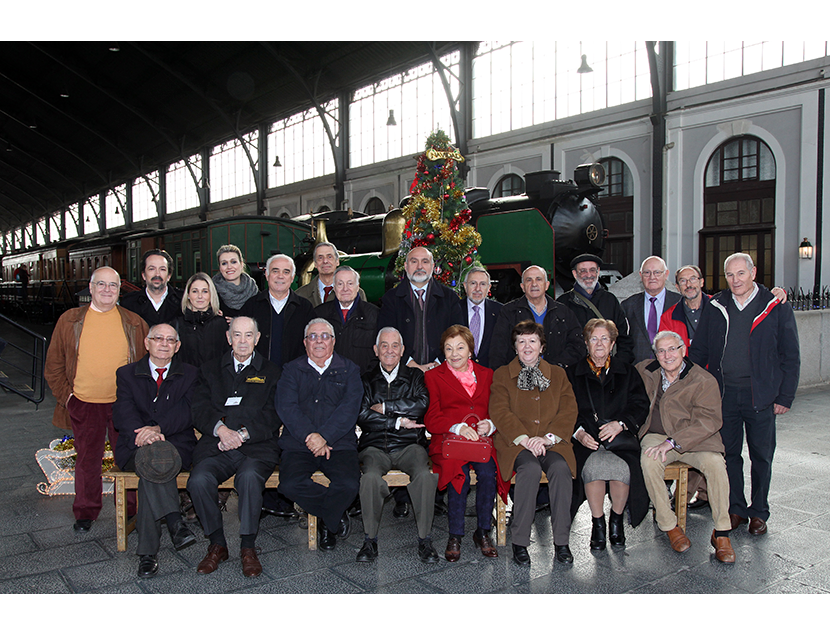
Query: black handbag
625	441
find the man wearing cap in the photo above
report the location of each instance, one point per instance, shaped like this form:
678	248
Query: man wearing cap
233	408
589	300
155	439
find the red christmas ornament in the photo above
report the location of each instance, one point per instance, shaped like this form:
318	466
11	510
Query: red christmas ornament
468	260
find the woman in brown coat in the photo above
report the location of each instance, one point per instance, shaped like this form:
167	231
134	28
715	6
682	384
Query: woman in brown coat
534	410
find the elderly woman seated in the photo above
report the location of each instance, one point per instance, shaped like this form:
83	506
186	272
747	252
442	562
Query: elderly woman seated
612	406
459	399
533	408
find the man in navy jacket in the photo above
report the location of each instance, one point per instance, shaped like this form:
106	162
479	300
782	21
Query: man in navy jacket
318	400
748	340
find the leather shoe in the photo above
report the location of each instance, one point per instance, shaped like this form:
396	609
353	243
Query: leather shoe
698	503
426	552
481	539
453	550
251	567
723	549
520	556
736	521
757	527
345	527
288	514
563	554
210	562
181	537
326	539
82	526
401	510
368	552
148	566
679	541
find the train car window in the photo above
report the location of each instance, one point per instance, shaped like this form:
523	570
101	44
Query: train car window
179	266
509	185
374	206
197	261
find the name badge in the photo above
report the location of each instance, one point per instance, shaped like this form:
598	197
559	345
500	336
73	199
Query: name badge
233	401
255	380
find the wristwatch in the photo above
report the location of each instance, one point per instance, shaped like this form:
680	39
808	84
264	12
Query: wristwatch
243	432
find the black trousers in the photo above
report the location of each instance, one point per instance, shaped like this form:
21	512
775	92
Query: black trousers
327	503
155	501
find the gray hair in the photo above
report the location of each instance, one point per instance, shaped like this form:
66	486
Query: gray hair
664	334
156	327
476	269
747	258
388	329
663	262
243	317
539	267
348	268
318	320
694	268
274	257
429	251
324	244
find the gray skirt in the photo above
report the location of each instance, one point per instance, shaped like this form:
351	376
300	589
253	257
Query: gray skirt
603	465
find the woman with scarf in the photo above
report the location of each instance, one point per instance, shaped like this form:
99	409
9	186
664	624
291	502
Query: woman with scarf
613	404
533	408
203	332
233	285
459	396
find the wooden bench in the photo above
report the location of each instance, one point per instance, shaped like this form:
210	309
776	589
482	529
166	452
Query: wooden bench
679	473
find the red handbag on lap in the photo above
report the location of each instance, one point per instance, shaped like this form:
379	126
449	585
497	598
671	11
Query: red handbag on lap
459	448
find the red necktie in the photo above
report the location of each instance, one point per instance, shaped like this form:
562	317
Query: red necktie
160	378
345	313
328	293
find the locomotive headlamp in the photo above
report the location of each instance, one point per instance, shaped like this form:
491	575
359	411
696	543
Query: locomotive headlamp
589	174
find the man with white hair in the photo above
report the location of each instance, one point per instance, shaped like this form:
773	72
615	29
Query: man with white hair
280	313
747	338
645	309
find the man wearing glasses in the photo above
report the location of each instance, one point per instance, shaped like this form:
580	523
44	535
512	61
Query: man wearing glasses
318	400
88	345
683	424
644	309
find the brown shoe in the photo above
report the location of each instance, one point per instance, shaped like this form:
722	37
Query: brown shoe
679	541
453	551
484	543
757	527
723	549
251	567
737	521
215	555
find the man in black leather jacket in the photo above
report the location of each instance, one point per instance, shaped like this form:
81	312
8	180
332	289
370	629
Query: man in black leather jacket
395	400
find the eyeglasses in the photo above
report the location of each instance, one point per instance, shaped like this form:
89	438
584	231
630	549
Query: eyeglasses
684	281
670	350
313	337
101	285
604	339
159	339
653	274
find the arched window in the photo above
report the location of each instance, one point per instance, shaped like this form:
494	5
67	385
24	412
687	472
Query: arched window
617	206
738	209
323	208
509	185
374	206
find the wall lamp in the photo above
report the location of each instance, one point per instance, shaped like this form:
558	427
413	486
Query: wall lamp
805	250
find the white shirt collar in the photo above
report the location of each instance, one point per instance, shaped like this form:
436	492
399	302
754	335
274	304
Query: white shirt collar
245	364
278	305
390	377
319	369
751	297
156	305
153	368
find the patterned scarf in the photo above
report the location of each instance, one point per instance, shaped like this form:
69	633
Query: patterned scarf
232	294
598	369
531	377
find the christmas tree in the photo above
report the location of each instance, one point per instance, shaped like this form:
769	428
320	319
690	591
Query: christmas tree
437	215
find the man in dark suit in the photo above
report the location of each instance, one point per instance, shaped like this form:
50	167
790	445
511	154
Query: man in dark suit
481	313
152	405
158	303
354	320
233	408
421	309
645	309
280	313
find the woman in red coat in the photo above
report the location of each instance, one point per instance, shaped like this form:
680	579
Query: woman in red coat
459	400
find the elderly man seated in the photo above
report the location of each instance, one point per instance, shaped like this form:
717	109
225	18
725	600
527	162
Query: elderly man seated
395	400
683	425
318	400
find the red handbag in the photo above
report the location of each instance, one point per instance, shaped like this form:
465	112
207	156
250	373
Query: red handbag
458	448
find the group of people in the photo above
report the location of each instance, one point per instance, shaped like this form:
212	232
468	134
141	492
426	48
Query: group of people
582	393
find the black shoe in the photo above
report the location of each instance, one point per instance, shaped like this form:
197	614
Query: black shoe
426	552
288	514
598	533
368	552
616	533
180	536
325	539
520	556
563	554
82	526
345	527
440	508
355	509
698	503
148	566
401	510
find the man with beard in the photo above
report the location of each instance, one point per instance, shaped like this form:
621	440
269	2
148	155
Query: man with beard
589	300
158	303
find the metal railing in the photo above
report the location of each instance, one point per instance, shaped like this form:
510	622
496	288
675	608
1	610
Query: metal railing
21	365
814	300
